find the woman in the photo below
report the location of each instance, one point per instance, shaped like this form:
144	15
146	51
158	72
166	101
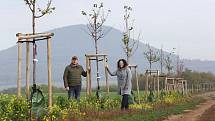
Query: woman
124	76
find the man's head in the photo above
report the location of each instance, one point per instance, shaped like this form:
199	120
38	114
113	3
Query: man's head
74	60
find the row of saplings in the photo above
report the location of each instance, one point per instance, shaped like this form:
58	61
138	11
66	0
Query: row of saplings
13	108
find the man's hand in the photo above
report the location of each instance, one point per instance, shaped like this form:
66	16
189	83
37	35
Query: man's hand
106	66
67	88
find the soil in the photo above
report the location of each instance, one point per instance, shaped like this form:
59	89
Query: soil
203	112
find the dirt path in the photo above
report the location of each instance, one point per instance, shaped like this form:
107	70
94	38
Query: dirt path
203	112
208	115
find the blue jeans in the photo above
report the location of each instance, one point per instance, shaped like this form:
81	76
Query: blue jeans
74	92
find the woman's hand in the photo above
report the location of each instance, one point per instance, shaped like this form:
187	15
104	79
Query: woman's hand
125	87
88	68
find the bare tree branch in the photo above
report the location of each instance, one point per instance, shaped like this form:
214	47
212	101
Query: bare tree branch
29	5
45	11
100	17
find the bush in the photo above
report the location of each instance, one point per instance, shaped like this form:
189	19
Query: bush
62	102
13	108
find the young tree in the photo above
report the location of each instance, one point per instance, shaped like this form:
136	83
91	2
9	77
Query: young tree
37	13
161	60
180	68
168	63
151	55
129	45
96	19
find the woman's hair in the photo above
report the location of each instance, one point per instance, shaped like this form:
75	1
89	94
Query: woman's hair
124	62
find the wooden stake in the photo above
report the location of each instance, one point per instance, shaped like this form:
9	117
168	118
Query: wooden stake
154	84
90	79
49	72
173	81
88	75
19	70
106	74
147	84
27	70
158	84
137	81
192	88
185	86
165	84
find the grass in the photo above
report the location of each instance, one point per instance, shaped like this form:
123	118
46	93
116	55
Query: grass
159	114
83	94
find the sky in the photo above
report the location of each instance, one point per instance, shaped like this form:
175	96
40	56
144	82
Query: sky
187	25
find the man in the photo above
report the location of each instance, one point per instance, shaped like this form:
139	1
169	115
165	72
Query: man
72	78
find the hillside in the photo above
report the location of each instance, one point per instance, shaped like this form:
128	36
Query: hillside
73	40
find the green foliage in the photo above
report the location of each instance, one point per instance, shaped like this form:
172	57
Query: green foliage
129	45
12	108
151	97
157	114
151	55
162	95
194	77
62	102
168	64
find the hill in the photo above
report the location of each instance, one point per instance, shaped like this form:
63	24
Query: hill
73	40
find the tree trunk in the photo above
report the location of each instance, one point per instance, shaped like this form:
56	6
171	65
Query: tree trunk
161	61
128	37
96	47
34	45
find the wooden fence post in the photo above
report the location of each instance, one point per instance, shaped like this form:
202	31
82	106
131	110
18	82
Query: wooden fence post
106	74
49	72
19	69
27	70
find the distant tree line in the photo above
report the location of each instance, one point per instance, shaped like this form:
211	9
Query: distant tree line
193	77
